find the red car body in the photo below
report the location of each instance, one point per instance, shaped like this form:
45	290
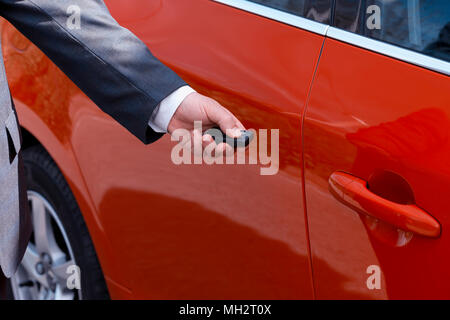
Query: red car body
163	231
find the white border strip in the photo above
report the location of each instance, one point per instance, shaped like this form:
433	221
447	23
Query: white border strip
390	50
277	15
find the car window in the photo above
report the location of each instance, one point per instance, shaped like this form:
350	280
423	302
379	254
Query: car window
420	25
317	10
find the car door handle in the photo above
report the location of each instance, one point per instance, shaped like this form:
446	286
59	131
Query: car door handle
353	192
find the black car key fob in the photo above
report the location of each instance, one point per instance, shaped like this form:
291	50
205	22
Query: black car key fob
241	142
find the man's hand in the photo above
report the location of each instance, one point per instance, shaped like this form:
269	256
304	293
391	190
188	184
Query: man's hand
196	107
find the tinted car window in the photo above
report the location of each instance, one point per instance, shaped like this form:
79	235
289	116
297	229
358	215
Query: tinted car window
347	15
317	10
420	25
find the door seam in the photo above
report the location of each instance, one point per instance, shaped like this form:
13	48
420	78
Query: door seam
305	211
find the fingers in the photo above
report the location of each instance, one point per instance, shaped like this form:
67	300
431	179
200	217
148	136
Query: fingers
215	150
223	150
207	140
198	108
227	122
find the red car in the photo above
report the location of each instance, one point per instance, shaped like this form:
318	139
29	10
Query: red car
360	93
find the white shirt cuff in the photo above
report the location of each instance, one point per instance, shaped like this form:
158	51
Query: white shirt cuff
163	113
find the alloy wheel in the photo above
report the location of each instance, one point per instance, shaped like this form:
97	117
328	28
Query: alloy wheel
42	274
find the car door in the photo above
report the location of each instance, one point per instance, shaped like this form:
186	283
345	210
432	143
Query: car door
376	149
221	231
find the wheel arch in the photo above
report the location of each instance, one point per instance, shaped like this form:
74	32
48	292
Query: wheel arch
36	132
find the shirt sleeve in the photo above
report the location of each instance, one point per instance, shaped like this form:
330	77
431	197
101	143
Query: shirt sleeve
164	112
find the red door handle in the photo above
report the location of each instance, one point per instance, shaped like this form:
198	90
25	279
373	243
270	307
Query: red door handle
354	193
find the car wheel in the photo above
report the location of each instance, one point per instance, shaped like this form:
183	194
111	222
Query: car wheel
59	241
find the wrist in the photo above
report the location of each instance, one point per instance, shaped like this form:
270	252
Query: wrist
164	112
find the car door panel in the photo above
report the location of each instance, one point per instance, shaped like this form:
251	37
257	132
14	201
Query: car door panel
373	116
198	231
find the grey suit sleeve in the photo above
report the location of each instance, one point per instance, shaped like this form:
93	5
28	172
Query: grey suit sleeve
106	61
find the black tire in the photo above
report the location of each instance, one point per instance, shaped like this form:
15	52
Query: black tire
44	177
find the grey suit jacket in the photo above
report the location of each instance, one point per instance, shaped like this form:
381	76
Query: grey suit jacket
107	62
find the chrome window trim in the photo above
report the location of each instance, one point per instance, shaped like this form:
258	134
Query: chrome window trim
390	50
277	15
384	48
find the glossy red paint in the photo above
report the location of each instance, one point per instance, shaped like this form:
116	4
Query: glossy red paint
186	232
163	231
370	114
